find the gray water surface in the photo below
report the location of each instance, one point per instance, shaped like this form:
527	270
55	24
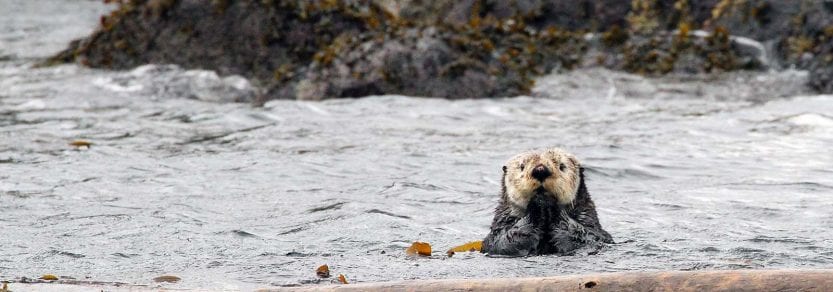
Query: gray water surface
731	171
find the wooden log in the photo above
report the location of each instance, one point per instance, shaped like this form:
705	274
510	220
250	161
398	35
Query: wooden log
738	280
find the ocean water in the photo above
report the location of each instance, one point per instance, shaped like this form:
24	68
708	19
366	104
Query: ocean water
728	171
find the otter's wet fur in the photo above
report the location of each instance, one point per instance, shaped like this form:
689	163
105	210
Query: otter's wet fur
544	208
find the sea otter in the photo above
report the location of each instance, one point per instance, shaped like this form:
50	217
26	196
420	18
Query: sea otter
544	207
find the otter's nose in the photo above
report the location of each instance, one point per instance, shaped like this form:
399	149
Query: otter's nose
541	172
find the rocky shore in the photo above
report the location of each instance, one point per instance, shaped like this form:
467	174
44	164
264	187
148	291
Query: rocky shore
319	49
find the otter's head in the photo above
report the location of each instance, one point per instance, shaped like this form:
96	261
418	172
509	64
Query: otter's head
552	172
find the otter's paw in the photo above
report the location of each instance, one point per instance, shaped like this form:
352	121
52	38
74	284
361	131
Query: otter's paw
521	239
564	242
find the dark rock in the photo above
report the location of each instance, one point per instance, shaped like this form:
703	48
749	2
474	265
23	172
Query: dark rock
268	41
821	71
443	62
420	63
586	15
426	11
327	49
821	78
771	19
318	49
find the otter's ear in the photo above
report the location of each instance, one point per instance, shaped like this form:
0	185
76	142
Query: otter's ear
574	161
504	169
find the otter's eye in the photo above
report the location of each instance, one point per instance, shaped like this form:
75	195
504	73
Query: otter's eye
562	167
522	167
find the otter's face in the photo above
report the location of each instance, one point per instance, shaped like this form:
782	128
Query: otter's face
552	172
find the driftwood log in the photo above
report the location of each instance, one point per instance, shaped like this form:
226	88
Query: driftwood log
743	280
740	280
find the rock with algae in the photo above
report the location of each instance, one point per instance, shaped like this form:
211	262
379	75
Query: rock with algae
271	42
319	49
324	48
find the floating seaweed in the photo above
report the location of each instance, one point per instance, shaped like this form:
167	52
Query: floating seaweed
419	248
474	246
167	279
81	143
49	277
323	271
